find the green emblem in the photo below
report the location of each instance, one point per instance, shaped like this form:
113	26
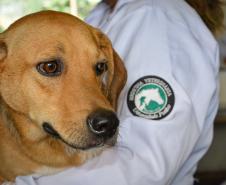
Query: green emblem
150	97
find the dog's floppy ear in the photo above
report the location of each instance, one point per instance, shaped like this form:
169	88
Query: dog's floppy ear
118	80
117	75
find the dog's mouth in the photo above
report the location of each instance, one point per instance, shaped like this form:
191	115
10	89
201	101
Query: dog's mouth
95	143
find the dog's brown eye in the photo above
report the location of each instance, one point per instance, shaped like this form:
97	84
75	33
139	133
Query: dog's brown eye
50	68
101	67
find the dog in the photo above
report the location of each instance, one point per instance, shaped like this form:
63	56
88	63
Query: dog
59	83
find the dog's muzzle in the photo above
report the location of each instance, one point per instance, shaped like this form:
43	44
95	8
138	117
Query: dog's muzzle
102	124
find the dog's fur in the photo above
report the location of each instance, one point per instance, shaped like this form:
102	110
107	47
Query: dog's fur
27	98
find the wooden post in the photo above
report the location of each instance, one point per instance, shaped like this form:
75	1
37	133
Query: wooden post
73	7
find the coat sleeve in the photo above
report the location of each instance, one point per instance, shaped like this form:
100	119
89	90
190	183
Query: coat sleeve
153	43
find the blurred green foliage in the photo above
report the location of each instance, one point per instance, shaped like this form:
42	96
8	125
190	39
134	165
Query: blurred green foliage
19	8
1	29
30	6
58	5
84	6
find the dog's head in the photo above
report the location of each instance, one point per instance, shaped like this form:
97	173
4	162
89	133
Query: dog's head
59	83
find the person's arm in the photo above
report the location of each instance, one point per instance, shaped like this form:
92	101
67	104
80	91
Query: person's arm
160	53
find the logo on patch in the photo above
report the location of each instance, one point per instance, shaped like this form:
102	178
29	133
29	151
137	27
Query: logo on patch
151	97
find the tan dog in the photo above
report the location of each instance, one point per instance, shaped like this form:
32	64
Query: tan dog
59	83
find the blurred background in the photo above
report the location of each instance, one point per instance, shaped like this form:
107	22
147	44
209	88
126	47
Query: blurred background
10	10
212	168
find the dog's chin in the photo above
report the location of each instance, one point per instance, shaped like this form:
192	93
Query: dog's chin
84	147
85	154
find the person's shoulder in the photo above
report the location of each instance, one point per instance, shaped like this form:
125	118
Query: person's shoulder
175	13
164	5
174	8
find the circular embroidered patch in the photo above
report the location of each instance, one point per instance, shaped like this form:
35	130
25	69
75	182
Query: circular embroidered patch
151	97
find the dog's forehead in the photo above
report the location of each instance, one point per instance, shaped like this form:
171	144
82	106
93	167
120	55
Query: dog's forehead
48	18
48	30
50	24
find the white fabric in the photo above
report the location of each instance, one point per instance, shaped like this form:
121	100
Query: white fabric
166	39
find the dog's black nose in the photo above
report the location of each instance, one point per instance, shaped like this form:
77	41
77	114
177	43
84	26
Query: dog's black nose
103	123
50	130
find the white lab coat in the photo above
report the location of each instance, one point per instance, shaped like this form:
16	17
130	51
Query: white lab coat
166	39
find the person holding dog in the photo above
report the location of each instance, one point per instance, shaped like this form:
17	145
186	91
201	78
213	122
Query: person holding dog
169	103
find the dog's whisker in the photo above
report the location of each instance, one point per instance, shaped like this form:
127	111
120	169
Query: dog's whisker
71	132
